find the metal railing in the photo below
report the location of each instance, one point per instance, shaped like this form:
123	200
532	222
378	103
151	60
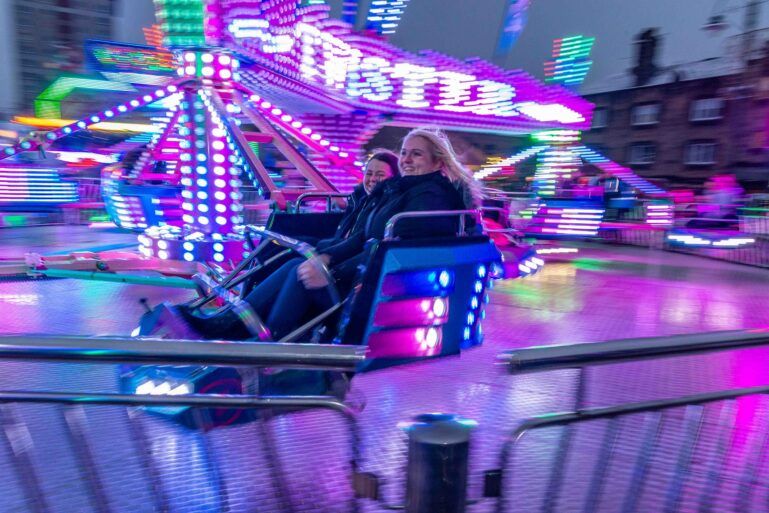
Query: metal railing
585	356
112	350
389	232
327	196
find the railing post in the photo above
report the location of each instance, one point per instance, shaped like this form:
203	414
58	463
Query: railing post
437	470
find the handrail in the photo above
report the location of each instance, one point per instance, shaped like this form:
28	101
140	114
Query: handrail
545	358
326	195
305	250
179	352
604	412
390	226
299	246
192	400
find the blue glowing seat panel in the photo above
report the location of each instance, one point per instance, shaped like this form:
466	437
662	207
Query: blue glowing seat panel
420	299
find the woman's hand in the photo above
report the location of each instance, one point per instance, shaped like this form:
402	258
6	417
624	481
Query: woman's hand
310	272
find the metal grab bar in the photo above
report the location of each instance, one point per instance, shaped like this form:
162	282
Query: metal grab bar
297	245
327	195
307	251
604	412
181	352
390	226
650	441
193	400
545	358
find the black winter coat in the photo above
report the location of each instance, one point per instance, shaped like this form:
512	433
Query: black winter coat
432	191
354	206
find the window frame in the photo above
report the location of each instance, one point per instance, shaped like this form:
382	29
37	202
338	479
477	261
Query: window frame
634	115
631	160
605	112
694	108
690	145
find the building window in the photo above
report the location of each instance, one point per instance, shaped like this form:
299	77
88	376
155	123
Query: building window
642	154
600	117
707	109
700	153
646	114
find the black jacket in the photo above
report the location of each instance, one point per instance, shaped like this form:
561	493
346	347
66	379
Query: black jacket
354	206
432	191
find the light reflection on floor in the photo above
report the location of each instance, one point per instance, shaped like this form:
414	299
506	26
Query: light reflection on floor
607	293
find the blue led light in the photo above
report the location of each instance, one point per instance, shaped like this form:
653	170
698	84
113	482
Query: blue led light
481	271
467	333
418	283
474	302
478	286
470	318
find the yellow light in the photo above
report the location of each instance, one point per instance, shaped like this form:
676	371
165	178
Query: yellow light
104	126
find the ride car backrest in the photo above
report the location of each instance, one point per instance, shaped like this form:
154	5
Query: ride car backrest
420	298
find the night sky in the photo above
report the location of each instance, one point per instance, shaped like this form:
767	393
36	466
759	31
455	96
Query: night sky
468	28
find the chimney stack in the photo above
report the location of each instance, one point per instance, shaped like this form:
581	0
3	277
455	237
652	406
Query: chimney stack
646	53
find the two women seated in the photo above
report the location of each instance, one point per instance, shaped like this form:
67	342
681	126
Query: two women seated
427	177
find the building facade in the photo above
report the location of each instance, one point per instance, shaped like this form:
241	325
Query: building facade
46	40
685	123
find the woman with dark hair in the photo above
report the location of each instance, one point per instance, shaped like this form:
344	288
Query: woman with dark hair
429	179
381	165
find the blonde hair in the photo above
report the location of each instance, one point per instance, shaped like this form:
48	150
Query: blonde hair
443	152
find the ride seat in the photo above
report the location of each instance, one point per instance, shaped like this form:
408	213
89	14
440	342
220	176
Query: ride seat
419	298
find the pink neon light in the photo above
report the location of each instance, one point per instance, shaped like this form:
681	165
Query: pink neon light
305	49
412	312
405	343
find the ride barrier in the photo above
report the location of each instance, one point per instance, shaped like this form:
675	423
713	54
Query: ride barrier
662	455
94	491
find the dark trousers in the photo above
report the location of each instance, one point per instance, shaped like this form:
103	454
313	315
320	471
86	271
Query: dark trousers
282	301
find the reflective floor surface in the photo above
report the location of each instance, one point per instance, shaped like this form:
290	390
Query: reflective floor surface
145	463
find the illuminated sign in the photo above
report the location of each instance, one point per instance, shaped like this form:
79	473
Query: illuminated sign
384	15
381	77
107	56
571	61
515	20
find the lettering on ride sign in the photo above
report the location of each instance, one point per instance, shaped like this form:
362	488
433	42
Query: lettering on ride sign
324	59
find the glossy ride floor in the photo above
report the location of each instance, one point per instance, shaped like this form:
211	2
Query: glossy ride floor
603	293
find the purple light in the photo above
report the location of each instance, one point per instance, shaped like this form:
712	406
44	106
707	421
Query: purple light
412	312
405	343
321	55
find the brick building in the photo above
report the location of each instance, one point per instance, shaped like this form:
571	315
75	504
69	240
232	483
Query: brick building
682	124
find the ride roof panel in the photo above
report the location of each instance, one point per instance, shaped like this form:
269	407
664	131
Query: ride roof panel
317	64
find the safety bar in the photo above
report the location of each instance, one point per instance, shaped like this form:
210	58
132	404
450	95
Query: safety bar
306	251
545	358
179	352
327	195
650	439
194	400
288	242
390	226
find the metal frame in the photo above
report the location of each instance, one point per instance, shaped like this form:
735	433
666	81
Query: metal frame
327	195
126	350
583	356
651	437
390	226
